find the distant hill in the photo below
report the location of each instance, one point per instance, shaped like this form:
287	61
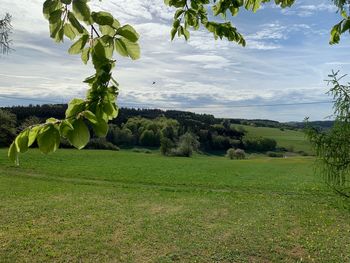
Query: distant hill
292	140
184	117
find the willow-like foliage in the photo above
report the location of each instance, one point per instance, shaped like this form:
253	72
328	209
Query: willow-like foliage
332	147
5	32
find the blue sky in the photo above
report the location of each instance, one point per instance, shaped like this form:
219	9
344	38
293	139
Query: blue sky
286	60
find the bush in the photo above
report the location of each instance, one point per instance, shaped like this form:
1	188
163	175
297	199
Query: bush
274	154
149	138
238	154
260	144
187	144
220	142
101	144
166	145
122	137
231	153
137	150
302	153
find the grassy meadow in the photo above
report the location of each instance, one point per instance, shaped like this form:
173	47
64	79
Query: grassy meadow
104	206
284	138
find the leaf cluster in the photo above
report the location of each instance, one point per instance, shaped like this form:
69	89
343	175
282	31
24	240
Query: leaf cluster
71	19
193	14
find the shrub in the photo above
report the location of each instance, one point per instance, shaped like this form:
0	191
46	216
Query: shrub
166	145
302	153
274	154
102	144
238	154
260	144
187	144
220	142
119	136
149	138
138	150
231	153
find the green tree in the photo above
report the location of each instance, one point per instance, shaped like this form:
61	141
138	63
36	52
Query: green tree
332	146
7	128
188	143
98	36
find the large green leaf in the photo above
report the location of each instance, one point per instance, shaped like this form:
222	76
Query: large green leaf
51	6
12	153
69	31
82	11
65	127
128	32
48	139
120	47
101	128
33	133
78	46
75	106
85	55
132	48
21	141
80	135
75	23
102	18
91	117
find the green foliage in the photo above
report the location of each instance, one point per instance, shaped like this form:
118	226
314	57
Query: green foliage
101	144
73	19
235	154
344	25
149	138
260	144
166	146
274	154
188	143
7	127
195	15
332	146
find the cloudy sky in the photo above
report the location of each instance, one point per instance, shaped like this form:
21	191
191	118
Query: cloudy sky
286	60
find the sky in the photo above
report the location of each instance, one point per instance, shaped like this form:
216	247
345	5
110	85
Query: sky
286	60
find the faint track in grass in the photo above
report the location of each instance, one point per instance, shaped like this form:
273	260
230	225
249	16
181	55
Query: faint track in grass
152	185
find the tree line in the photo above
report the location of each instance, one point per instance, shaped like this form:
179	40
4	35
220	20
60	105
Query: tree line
177	133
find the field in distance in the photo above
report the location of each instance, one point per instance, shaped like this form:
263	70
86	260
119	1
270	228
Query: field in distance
289	139
104	206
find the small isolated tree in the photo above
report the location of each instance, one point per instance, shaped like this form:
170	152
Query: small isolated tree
332	147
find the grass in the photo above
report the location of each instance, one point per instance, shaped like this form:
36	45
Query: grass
284	138
102	206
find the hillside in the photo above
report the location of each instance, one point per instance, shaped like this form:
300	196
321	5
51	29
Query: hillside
289	139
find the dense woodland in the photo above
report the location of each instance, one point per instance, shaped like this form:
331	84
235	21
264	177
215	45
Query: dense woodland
168	130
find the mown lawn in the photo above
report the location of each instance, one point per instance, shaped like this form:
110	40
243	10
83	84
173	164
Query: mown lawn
102	206
284	138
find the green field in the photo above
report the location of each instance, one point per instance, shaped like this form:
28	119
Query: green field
103	206
284	138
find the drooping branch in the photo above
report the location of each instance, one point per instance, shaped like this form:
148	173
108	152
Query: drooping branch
5	32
